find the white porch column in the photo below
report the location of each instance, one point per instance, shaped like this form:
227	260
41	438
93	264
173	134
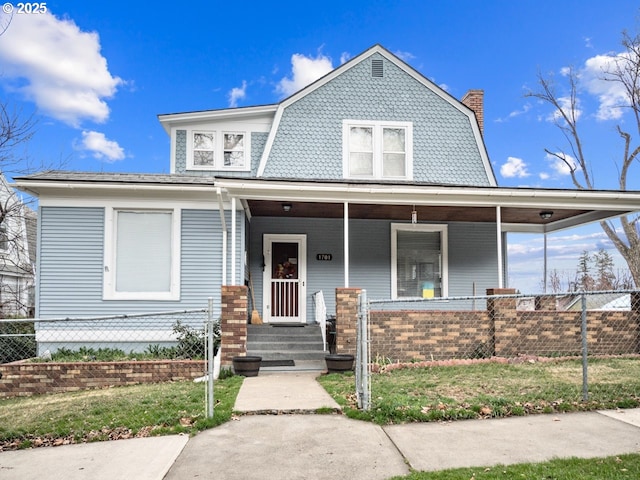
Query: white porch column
544	284
233	241
346	244
499	234
223	222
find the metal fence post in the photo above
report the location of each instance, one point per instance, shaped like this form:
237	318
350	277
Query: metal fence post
583	333
210	359
363	384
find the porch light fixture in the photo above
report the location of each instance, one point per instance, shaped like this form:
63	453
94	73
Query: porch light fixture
286	207
414	215
546	214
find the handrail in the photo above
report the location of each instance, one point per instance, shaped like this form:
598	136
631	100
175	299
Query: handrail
321	316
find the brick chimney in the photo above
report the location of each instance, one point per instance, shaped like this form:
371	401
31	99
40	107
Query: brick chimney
474	99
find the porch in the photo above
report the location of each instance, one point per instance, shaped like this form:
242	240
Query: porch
494	325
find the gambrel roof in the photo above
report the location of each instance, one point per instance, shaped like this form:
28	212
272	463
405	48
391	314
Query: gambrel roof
306	139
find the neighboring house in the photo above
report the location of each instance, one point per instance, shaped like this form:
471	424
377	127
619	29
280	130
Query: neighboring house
371	177
17	254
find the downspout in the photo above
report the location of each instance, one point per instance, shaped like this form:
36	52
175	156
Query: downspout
223	222
499	238
233	240
346	244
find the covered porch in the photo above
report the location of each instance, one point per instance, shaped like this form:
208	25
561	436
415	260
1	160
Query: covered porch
342	230
343	235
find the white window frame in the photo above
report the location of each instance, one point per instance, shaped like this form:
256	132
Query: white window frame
218	150
192	149
110	249
377	127
444	253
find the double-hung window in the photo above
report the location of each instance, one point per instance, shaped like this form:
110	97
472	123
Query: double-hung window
204	149
142	255
377	150
419	264
219	150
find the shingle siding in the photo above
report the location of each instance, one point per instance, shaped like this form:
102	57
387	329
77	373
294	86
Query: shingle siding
308	143
258	141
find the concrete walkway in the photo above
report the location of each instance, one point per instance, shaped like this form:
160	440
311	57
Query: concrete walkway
329	446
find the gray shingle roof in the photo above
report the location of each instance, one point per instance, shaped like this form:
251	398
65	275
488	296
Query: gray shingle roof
107	177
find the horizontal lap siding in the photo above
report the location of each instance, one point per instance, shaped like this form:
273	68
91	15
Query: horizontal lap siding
71	264
472	257
70	261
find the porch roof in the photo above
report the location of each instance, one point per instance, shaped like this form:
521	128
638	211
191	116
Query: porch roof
520	208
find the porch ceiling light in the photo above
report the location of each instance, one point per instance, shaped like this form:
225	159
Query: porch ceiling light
286	207
546	214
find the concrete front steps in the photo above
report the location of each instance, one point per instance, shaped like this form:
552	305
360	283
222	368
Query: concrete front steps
300	342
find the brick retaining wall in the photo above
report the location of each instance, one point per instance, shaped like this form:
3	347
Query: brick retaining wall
24	379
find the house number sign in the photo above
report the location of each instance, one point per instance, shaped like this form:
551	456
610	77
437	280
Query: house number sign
324	257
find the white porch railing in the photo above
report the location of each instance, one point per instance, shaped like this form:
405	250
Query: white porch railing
321	316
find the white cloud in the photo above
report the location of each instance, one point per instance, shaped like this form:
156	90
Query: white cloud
101	147
544	176
406	56
611	95
559	166
345	57
237	93
516	113
304	70
514	168
57	66
565	105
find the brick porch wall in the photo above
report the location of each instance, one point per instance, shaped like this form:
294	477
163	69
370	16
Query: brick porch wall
233	322
346	319
501	330
437	335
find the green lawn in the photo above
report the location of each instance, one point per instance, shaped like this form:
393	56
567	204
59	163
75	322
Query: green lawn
623	467
112	413
417	394
487	390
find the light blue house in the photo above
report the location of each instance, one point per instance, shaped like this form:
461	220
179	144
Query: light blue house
371	177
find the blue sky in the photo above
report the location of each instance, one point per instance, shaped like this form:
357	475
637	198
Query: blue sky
97	74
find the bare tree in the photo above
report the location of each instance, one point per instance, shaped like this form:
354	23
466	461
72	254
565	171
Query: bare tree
624	71
17	220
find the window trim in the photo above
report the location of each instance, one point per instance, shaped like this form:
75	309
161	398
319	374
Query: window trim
192	150
444	252
218	150
110	249
378	152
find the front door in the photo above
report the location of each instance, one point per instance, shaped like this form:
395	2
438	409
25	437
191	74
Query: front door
284	279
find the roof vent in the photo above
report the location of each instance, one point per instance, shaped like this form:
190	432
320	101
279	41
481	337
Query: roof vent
377	70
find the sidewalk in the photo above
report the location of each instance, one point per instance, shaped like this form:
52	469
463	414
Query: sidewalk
328	446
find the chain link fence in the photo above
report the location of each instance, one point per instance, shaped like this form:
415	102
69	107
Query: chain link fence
581	326
62	354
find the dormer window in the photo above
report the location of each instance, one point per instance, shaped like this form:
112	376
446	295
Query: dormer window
218	150
204	149
377	150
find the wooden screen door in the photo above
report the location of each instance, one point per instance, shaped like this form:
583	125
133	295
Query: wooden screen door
284	278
